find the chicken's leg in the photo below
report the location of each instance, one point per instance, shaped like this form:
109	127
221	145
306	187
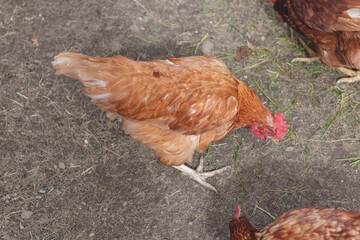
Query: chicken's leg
313	56
304	59
198	174
354	75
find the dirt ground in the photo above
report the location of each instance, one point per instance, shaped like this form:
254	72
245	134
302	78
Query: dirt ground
68	172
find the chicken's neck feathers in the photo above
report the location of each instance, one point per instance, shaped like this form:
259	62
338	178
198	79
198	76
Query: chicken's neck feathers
251	110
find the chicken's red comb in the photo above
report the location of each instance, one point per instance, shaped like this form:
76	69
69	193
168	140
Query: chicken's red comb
238	211
273	1
280	129
280	126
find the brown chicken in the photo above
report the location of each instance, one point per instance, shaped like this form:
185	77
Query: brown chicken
334	28
173	106
317	223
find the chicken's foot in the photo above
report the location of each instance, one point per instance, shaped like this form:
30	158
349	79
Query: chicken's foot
198	174
313	56
304	59
311	52
354	75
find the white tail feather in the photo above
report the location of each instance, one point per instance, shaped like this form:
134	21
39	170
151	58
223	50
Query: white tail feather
92	82
101	97
78	66
61	61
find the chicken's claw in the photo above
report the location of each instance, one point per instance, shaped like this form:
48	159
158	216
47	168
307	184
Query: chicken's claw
305	59
354	75
198	174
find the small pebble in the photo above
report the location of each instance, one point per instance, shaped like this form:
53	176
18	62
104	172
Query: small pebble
42	191
207	47
134	28
61	165
50	54
289	149
26	214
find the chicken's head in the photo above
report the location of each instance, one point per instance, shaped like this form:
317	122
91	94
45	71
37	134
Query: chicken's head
281	17
241	228
276	131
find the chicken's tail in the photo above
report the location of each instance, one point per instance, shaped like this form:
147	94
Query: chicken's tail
92	72
78	66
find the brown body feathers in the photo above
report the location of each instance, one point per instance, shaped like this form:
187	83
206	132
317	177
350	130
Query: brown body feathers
332	25
318	223
173	106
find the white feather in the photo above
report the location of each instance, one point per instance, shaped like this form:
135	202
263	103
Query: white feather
101	97
61	61
92	82
354	12
169	62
